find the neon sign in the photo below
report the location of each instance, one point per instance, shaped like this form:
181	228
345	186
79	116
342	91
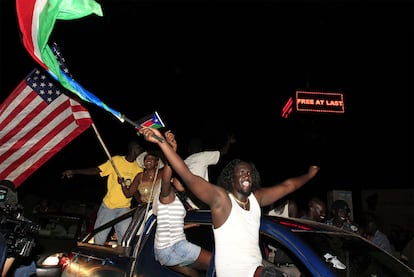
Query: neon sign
320	102
287	109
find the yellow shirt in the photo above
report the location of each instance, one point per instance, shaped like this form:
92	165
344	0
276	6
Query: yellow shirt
114	197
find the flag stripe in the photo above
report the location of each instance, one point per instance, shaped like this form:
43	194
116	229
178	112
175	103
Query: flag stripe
42	122
37	120
28	108
28	11
31	157
36	19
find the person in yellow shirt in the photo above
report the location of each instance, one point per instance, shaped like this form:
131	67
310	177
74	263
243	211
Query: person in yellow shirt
115	201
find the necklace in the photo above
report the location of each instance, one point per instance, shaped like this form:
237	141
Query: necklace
149	175
241	202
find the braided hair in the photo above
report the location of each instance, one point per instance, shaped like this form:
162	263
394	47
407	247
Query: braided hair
225	179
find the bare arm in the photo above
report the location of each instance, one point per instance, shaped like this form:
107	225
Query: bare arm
178	185
87	171
131	190
170	138
268	195
7	265
167	194
205	191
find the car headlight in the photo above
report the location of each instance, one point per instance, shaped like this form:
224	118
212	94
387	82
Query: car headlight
52	260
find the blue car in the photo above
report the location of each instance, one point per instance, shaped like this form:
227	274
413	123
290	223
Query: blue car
297	247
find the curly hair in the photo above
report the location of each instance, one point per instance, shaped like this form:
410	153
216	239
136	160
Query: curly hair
225	179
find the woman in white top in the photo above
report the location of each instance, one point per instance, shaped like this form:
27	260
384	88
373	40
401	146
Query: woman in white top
171	247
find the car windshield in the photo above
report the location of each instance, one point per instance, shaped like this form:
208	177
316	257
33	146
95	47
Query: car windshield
352	256
58	227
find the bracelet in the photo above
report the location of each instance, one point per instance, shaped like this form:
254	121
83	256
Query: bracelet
126	183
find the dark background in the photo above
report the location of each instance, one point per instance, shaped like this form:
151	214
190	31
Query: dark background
212	68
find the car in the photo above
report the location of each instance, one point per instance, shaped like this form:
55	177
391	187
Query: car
297	247
59	233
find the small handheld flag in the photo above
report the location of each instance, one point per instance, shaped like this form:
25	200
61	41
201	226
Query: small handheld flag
152	121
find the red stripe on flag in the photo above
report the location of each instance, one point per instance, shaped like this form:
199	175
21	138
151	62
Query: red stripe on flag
27	16
35	133
34	128
18	115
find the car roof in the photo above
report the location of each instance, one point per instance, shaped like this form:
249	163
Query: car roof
305	225
288	223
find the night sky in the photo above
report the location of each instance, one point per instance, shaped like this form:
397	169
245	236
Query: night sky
212	68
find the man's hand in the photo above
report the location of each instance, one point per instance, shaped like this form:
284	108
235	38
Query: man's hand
313	170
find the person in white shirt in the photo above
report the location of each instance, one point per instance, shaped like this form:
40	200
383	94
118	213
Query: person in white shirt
199	160
235	204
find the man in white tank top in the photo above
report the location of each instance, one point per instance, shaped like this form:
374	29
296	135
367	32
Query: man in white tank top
235	208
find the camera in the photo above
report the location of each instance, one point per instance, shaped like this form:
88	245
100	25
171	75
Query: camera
18	231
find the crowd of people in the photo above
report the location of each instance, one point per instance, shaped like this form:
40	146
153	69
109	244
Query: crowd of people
171	185
235	204
340	217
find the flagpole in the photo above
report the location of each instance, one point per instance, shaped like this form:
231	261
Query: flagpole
106	150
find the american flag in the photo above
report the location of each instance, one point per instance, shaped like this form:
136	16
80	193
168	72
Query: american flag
36	121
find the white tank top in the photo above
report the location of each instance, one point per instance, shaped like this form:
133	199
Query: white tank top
170	223
237	250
